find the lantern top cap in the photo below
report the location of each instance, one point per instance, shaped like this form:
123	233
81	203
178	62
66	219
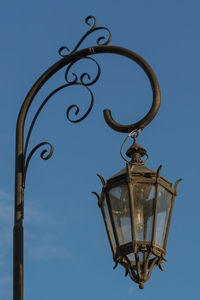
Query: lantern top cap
140	170
135	168
135	152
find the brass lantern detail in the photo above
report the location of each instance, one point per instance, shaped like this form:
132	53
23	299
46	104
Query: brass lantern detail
137	205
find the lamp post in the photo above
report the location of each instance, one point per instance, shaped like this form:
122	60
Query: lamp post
129	201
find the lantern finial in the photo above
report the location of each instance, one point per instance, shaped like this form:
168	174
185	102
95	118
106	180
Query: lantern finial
135	152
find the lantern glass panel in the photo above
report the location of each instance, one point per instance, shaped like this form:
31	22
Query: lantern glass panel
144	197
108	223
131	256
163	210
120	209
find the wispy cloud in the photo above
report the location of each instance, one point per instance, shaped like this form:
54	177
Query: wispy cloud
132	290
6	287
6	207
43	247
5	196
46	248
5	281
46	252
6	212
6	221
4	139
33	214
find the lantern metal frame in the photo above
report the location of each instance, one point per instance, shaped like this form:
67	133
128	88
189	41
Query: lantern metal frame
85	80
138	271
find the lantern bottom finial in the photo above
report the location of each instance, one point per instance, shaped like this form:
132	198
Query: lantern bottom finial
141	286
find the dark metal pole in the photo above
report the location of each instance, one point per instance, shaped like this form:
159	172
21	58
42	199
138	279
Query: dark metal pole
18	222
22	161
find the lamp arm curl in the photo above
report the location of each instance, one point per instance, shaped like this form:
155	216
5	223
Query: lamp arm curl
70	60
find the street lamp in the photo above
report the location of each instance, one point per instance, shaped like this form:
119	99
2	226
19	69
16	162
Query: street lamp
134	202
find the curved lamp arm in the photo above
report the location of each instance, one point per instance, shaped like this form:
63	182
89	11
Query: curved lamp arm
22	161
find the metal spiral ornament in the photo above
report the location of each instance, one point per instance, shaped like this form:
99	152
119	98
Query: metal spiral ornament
45	155
77	109
77	81
101	40
81	78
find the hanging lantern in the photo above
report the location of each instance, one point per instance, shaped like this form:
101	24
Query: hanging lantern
137	205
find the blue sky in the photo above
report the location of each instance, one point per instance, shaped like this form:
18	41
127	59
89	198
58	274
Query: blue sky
67	254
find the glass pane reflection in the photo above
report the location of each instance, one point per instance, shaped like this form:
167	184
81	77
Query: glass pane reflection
164	206
144	197
119	202
108	222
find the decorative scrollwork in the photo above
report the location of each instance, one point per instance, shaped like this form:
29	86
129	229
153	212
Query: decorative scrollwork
70	108
77	81
94	20
44	152
37	114
101	41
45	155
62	49
83	75
77	108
